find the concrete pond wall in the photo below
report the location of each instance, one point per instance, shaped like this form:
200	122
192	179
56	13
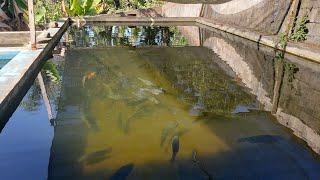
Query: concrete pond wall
20	72
266	17
254	66
17	38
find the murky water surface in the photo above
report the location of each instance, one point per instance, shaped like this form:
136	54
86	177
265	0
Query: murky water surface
166	112
175	103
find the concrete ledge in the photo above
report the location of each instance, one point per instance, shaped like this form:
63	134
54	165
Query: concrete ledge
142	23
312	54
18	75
104	18
17	38
300	129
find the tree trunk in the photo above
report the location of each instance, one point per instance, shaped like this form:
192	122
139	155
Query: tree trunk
117	3
63	9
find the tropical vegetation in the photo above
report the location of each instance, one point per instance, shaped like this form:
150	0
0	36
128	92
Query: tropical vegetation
14	13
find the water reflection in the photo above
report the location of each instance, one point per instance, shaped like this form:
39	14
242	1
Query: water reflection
124	111
293	96
26	139
106	36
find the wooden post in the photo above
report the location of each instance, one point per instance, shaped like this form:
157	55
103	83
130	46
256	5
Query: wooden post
32	25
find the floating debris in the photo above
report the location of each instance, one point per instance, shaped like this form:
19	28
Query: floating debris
153	91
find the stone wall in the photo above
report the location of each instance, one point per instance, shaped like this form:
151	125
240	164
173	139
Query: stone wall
265	16
311	8
254	66
181	10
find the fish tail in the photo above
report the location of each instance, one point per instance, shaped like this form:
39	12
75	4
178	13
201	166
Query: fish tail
173	158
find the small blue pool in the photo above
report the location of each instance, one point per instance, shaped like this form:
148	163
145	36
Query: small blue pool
6	56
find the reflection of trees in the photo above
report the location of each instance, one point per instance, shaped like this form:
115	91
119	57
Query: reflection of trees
31	101
102	36
177	39
52	82
51	73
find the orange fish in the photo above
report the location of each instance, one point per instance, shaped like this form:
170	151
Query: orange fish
88	76
91	75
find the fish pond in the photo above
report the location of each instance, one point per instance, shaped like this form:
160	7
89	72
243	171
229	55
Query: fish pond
163	102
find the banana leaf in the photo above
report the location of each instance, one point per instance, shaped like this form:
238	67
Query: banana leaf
40	14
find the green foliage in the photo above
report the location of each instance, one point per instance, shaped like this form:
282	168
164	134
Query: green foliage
290	69
177	38
40	14
47	11
301	30
51	71
9	9
32	100
82	7
109	6
283	39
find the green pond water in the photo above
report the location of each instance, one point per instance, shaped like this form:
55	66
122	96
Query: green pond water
127	99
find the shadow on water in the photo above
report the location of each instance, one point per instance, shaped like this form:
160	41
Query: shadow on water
261	139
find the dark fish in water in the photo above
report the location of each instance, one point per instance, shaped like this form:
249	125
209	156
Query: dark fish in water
175	147
197	162
97	157
122	173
